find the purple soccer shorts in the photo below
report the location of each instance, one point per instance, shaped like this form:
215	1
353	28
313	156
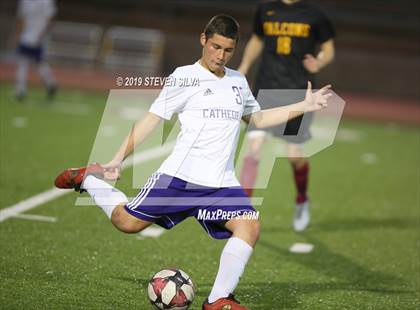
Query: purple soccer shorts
167	201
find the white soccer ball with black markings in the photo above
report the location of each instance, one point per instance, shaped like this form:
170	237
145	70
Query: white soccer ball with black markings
171	289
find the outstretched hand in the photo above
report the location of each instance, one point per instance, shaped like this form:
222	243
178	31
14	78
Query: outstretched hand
311	63
112	170
317	100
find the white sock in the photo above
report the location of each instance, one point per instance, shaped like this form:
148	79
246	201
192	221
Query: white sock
235	256
46	74
105	196
21	75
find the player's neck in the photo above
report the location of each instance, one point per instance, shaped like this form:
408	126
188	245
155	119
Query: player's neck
219	74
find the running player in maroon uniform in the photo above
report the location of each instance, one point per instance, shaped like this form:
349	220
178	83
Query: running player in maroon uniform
288	34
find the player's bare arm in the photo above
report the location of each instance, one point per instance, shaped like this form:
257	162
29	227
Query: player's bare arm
324	57
253	50
140	131
272	117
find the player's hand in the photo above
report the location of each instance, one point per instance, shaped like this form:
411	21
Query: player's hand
317	100
311	63
112	170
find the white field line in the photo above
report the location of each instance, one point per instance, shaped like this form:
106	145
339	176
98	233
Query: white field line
33	217
31	203
71	108
54	193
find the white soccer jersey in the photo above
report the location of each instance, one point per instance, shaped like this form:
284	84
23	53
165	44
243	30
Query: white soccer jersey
210	110
35	15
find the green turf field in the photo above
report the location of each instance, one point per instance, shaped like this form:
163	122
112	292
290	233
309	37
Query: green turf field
365	227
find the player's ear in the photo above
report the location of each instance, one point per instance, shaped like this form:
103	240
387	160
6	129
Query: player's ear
203	39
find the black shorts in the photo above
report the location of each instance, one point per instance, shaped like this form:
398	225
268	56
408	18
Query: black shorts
296	130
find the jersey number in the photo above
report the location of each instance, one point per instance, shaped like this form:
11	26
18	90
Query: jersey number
238	94
284	45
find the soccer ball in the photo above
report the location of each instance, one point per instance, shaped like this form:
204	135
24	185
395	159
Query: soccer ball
171	289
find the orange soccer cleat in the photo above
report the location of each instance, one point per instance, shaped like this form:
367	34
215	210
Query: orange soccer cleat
73	177
227	303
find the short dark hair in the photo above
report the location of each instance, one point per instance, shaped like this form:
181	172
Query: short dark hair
224	25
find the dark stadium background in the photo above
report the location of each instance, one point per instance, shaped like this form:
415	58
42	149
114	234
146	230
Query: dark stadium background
377	41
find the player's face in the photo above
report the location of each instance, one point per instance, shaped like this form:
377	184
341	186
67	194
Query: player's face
217	51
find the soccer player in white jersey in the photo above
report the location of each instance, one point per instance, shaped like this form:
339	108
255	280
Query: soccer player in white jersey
33	23
198	177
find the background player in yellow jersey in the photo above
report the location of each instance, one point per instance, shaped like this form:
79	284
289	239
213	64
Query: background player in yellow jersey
295	39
